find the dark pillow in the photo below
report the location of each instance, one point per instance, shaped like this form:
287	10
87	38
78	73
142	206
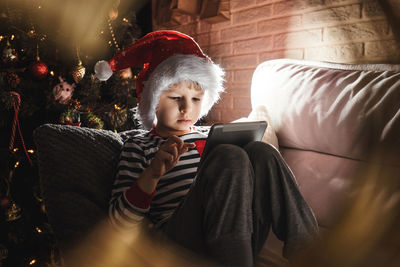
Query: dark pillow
77	168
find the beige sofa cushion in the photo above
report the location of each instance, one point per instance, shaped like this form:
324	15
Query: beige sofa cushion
337	109
329	118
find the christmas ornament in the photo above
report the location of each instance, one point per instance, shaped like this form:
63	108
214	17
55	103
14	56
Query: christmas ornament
79	71
102	70
13	79
94	121
63	91
9	54
118	117
13	212
71	117
16	102
39	69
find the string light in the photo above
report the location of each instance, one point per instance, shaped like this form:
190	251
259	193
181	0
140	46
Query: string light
32	262
16	164
38	230
52	73
31	151
1	37
125	20
15	149
112	35
12	37
116	107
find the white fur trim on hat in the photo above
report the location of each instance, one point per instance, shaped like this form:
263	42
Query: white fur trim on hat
175	69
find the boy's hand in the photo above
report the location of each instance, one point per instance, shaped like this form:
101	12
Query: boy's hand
168	156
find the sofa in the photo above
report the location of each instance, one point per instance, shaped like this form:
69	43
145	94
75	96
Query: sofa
330	121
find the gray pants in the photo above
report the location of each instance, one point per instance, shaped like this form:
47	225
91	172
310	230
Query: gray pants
237	196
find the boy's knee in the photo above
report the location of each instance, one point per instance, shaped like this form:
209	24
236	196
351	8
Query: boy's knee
261	149
230	154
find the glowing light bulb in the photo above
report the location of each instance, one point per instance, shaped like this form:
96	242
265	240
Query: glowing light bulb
125	20
32	262
16	164
116	107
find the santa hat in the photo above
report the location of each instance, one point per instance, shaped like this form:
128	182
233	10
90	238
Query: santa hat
167	57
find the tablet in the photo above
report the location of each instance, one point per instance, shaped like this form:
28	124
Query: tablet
236	133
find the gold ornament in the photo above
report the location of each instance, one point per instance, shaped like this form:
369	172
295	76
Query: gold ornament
78	72
13	212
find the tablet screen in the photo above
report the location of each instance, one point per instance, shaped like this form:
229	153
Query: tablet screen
239	133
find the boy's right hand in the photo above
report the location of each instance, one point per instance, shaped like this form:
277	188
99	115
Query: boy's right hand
168	156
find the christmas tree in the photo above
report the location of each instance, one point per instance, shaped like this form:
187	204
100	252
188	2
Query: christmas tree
48	53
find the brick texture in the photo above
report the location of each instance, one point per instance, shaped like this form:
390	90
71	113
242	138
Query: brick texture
357	31
283	24
252	45
345	31
333	15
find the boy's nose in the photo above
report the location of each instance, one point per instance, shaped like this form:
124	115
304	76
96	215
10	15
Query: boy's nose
184	106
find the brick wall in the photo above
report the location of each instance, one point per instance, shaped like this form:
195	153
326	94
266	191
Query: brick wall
345	31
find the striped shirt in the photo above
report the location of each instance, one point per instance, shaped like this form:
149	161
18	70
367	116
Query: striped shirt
173	186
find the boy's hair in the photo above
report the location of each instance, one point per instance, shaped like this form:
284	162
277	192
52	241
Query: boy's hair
169	57
190	84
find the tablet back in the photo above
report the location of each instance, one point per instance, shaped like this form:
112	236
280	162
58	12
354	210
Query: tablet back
239	133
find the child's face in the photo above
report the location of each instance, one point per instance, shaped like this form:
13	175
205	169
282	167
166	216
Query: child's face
178	108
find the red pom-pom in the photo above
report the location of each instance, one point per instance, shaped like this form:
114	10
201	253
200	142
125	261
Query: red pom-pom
39	70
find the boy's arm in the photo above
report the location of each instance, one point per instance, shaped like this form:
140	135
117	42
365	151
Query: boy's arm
122	208
130	201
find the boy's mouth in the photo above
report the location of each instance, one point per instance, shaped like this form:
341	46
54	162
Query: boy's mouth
184	121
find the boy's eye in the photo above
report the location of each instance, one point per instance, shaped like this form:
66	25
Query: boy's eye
196	99
174	97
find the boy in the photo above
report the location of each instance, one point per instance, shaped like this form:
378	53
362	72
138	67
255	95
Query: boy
225	209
